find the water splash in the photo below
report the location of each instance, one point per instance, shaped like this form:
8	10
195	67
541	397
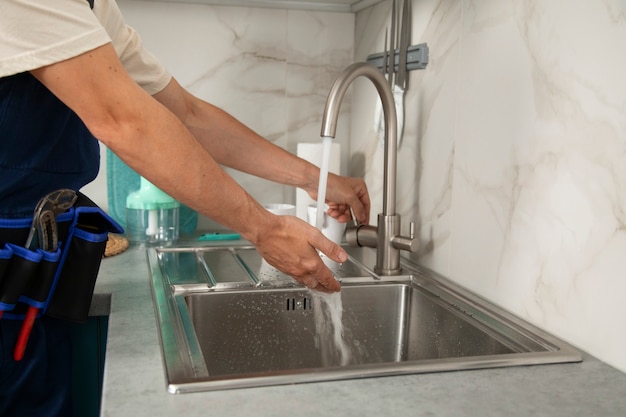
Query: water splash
329	329
328	320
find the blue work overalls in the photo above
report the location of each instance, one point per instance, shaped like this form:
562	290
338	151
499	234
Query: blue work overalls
44	146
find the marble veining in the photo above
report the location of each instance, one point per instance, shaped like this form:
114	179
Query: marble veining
270	68
513	162
518	125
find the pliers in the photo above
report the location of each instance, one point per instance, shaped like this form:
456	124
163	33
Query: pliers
44	228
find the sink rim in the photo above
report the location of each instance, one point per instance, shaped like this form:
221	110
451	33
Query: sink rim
186	370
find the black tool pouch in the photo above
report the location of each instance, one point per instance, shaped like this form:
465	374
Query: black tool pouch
19	262
59	283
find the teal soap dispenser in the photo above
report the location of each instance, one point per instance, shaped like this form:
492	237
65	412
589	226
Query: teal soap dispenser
151	216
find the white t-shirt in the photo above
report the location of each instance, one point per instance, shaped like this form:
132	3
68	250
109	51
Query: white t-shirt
36	33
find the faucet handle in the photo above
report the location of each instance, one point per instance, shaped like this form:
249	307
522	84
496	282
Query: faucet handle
410	243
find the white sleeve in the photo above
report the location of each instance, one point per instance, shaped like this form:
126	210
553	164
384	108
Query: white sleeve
35	33
142	66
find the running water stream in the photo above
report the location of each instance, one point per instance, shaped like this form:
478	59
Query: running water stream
331	303
321	188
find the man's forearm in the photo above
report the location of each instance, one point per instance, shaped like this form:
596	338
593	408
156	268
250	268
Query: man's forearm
233	144
149	138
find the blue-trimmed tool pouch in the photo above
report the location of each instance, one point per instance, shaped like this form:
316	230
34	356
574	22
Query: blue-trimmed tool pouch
58	283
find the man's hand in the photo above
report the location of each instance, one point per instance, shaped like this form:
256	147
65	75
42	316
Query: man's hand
343	193
290	245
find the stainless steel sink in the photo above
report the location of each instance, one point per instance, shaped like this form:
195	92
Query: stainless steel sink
229	320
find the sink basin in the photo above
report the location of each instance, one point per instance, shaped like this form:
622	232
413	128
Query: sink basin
229	320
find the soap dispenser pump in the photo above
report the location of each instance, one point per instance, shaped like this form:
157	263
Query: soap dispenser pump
151	216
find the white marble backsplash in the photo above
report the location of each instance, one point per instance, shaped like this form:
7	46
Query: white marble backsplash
270	68
513	162
514	158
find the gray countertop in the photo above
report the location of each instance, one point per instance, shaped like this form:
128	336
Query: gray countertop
134	380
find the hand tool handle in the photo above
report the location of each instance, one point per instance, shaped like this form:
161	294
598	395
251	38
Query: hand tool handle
22	338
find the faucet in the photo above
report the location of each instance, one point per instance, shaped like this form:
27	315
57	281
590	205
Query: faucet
386	236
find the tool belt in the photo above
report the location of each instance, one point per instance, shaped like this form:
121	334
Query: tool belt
59	283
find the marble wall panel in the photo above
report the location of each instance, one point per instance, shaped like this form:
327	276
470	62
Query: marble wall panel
514	154
270	68
520	132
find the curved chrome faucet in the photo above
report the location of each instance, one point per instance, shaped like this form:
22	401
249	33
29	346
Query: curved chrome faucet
386	237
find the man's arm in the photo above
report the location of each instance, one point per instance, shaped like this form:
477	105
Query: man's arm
154	142
235	145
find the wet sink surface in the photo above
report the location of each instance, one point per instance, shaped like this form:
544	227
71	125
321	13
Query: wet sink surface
284	330
229	320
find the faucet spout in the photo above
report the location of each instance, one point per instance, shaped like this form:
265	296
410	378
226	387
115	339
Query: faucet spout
331	114
386	237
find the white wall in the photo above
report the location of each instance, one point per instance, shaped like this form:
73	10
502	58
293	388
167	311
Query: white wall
514	159
514	156
270	68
